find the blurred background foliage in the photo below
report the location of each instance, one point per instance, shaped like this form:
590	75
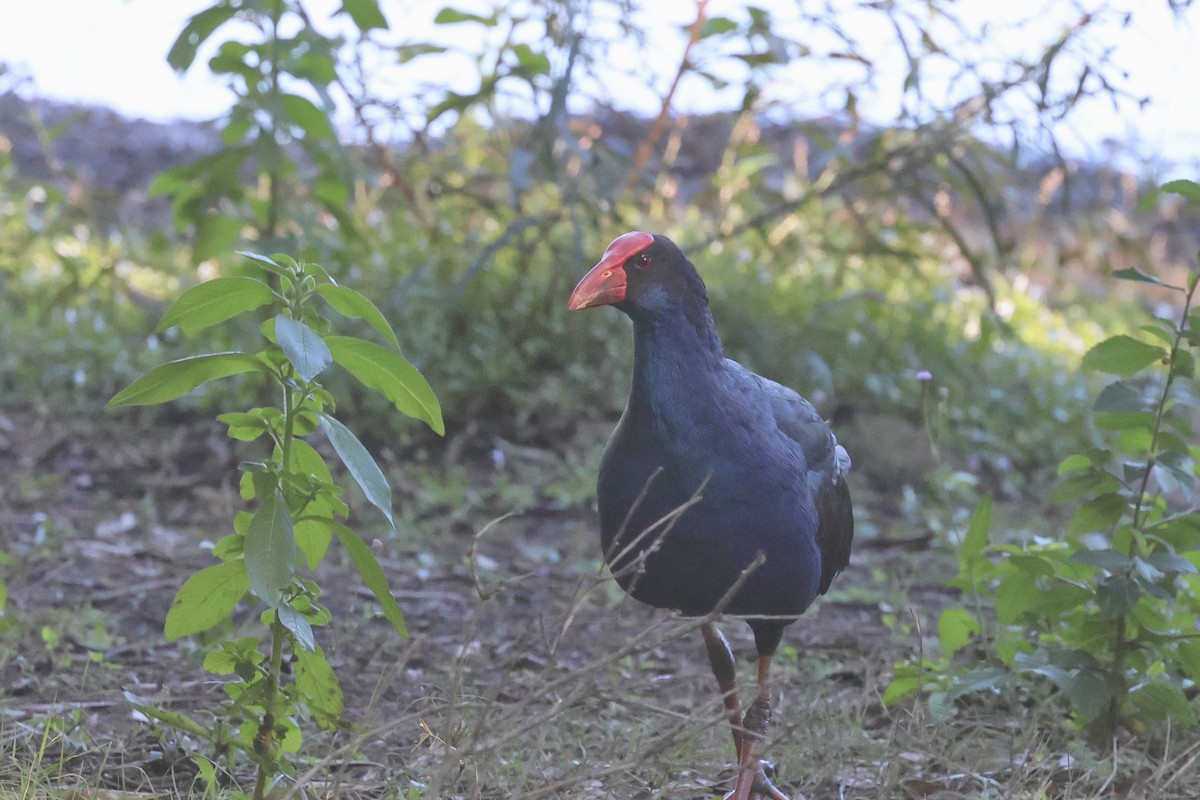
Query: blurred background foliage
843	256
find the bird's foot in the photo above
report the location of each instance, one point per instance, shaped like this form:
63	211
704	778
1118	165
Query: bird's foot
754	784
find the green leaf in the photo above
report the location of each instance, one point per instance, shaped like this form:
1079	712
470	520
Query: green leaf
362	466
1098	514
451	16
1088	692
976	537
1105	559
1135	274
206	598
350	303
175	719
215	301
956	627
196	32
319	688
215	235
312	538
1172	563
1189	190
300	628
906	680
1016	595
1158	700
270	550
529	61
303	346
1116	595
387	372
372	574
177	378
304	112
365	13
1074	463
1120	397
715	26
1122	355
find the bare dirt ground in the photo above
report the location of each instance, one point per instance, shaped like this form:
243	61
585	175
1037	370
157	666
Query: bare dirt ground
527	672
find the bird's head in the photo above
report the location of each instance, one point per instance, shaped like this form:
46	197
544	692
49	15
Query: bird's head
641	273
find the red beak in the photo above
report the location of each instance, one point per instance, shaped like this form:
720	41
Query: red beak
605	283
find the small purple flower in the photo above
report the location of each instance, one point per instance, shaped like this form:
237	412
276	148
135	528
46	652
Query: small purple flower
924	376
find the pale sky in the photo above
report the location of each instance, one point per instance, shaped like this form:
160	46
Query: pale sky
112	52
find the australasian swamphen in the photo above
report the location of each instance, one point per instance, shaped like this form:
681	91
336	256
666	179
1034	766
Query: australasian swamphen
720	491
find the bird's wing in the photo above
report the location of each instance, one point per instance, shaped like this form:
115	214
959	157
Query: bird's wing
827	465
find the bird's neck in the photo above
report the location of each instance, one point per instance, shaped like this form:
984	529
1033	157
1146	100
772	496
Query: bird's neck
674	355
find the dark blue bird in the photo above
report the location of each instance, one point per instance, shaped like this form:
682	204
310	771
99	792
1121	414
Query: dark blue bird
720	491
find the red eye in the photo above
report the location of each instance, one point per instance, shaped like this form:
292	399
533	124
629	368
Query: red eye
642	261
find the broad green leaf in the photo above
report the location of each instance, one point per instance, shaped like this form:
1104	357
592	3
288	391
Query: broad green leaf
1188	656
1016	595
300	628
976	537
956	626
906	681
1189	190
1074	463
196	32
372	574
1088	692
1120	397
206	598
270	550
1172	563
1063	597
177	378
1116	595
215	235
389	373
215	301
365	13
362	466
304	347
1098	514
1159	700
350	303
319	688
1122	355
304	112
530	62
1105	559
312	538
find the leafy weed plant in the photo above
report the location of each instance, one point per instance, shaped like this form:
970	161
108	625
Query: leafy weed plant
297	505
1107	611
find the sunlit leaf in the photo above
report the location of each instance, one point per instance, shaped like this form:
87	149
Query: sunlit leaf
177	378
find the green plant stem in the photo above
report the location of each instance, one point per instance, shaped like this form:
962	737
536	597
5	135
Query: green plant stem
1159	412
265	743
1121	642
